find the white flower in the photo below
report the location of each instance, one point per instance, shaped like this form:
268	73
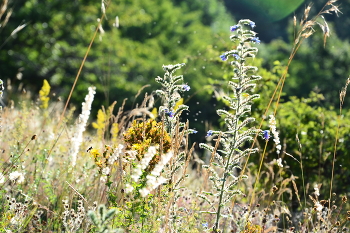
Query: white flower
16	220
152	150
83	118
130	155
279	162
144	192
317	191
276	138
106	171
51	136
17	177
136	173
117	151
128	188
164	160
153	182
2	178
103	178
318	206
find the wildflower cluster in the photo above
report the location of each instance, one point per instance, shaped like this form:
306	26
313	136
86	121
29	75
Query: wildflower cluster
83	118
107	159
16	177
152	145
72	220
100	124
18	209
140	136
142	168
105	119
276	138
226	160
144	163
323	216
44	94
249	36
153	178
170	95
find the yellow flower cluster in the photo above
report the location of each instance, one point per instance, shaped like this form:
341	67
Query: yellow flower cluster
250	228
140	136
101	160
100	125
44	94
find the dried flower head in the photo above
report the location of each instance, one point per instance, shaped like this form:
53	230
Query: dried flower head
16	177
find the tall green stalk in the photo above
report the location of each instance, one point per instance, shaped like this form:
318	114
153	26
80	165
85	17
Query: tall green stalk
228	158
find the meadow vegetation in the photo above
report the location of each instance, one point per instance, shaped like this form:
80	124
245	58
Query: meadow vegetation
270	164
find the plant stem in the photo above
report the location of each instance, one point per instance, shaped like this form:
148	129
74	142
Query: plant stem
232	145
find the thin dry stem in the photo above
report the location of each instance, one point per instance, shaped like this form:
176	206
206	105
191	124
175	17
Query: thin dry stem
81	196
341	97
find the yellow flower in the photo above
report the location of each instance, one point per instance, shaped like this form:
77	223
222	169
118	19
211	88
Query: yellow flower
95	153
101	123
44	93
140	136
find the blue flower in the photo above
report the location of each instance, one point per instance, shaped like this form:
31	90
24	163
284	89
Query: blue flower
194	131
223	57
209	133
236	56
169	113
234	28
186	87
266	135
205	225
252	24
255	40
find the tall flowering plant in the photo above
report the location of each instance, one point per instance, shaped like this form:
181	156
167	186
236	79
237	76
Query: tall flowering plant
160	160
80	128
172	86
227	158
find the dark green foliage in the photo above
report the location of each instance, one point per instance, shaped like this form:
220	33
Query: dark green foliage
122	60
271	10
314	68
316	127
